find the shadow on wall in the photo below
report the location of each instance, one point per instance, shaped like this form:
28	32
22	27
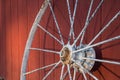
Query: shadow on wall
98	56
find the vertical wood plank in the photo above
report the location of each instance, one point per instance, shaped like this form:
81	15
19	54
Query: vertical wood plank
15	40
0	14
8	40
2	39
0	36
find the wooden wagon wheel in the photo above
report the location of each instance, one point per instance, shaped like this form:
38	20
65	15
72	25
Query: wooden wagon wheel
80	57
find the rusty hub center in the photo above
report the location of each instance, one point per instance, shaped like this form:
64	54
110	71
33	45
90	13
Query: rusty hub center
66	54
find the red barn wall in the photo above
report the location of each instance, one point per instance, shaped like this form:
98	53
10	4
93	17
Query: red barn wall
16	18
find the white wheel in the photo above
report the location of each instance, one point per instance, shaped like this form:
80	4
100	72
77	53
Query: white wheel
74	52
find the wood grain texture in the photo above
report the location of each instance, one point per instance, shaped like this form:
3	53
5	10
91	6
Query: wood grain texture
17	17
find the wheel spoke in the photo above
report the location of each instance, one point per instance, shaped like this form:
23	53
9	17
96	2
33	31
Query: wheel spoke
72	18
65	74
58	28
86	22
39	69
71	21
49	34
74	75
105	61
68	67
83	30
51	70
86	25
97	44
61	76
45	50
84	75
94	77
74	13
97	8
69	11
105	27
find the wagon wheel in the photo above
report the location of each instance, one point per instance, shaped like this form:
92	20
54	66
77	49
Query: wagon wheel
74	53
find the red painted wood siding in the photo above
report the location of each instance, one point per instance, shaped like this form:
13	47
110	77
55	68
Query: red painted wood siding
16	18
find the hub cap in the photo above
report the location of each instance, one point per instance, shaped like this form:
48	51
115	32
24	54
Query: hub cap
67	57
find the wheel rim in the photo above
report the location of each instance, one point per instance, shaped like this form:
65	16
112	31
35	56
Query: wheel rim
74	48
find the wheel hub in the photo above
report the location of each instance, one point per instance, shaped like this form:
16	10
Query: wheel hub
66	54
67	57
